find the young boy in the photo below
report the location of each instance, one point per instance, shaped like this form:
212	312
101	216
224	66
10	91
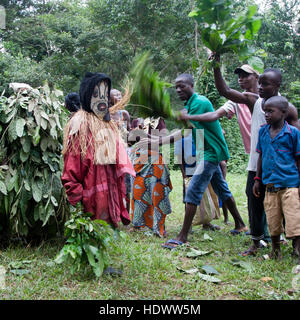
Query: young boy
278	168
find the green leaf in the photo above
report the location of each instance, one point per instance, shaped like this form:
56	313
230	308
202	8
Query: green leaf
207	237
37	193
257	64
12	133
242	264
193	13
60	257
94	250
10	116
72	252
44	123
26	144
54	201
251	11
209	269
26	185
50	212
12	182
19	264
20	123
256	24
193	253
90	256
23	155
3	188
215	41
44	144
189	271
100	265
36	137
208	278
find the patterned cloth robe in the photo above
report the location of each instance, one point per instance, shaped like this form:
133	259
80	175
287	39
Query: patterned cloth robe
150	202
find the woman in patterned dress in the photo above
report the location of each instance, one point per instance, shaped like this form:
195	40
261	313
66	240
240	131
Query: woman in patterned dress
150	202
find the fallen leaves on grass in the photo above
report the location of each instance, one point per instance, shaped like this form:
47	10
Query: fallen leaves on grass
193	253
242	264
189	271
205	277
207	237
209	269
19	268
209	278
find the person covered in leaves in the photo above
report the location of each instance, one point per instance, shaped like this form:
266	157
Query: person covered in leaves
210	151
95	158
278	168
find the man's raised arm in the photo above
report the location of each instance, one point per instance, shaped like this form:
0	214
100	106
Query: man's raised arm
247	97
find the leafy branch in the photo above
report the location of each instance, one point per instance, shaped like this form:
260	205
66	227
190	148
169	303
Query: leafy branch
87	243
224	30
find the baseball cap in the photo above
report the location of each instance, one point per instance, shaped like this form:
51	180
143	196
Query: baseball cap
246	68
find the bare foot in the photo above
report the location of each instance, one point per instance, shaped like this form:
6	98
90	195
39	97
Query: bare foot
275	254
242	229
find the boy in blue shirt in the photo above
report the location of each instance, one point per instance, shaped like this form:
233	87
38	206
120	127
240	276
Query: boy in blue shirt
278	168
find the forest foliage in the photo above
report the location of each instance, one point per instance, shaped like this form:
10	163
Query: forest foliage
58	41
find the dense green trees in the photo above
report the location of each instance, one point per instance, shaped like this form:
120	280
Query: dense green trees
59	40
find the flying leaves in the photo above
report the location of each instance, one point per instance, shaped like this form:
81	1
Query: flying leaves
149	92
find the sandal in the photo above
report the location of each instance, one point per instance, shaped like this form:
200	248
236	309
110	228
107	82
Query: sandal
252	251
235	232
172	244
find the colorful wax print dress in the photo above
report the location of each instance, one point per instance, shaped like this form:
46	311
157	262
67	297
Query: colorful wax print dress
150	202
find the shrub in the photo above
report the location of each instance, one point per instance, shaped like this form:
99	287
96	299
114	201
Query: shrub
32	201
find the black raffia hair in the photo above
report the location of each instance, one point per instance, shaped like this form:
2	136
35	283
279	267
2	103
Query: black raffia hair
72	101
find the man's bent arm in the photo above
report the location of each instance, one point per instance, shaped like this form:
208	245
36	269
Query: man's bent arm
208	116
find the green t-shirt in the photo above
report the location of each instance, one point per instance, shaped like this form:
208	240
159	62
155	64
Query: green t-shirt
215	147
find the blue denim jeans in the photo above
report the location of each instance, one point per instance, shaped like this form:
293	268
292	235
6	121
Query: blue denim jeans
207	172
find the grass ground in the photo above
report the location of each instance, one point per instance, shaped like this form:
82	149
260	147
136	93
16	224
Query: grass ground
151	272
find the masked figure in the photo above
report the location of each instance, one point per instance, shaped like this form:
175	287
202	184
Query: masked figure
95	159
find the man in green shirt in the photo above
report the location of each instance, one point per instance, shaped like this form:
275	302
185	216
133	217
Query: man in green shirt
211	149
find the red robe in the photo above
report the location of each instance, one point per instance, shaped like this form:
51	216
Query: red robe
101	188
